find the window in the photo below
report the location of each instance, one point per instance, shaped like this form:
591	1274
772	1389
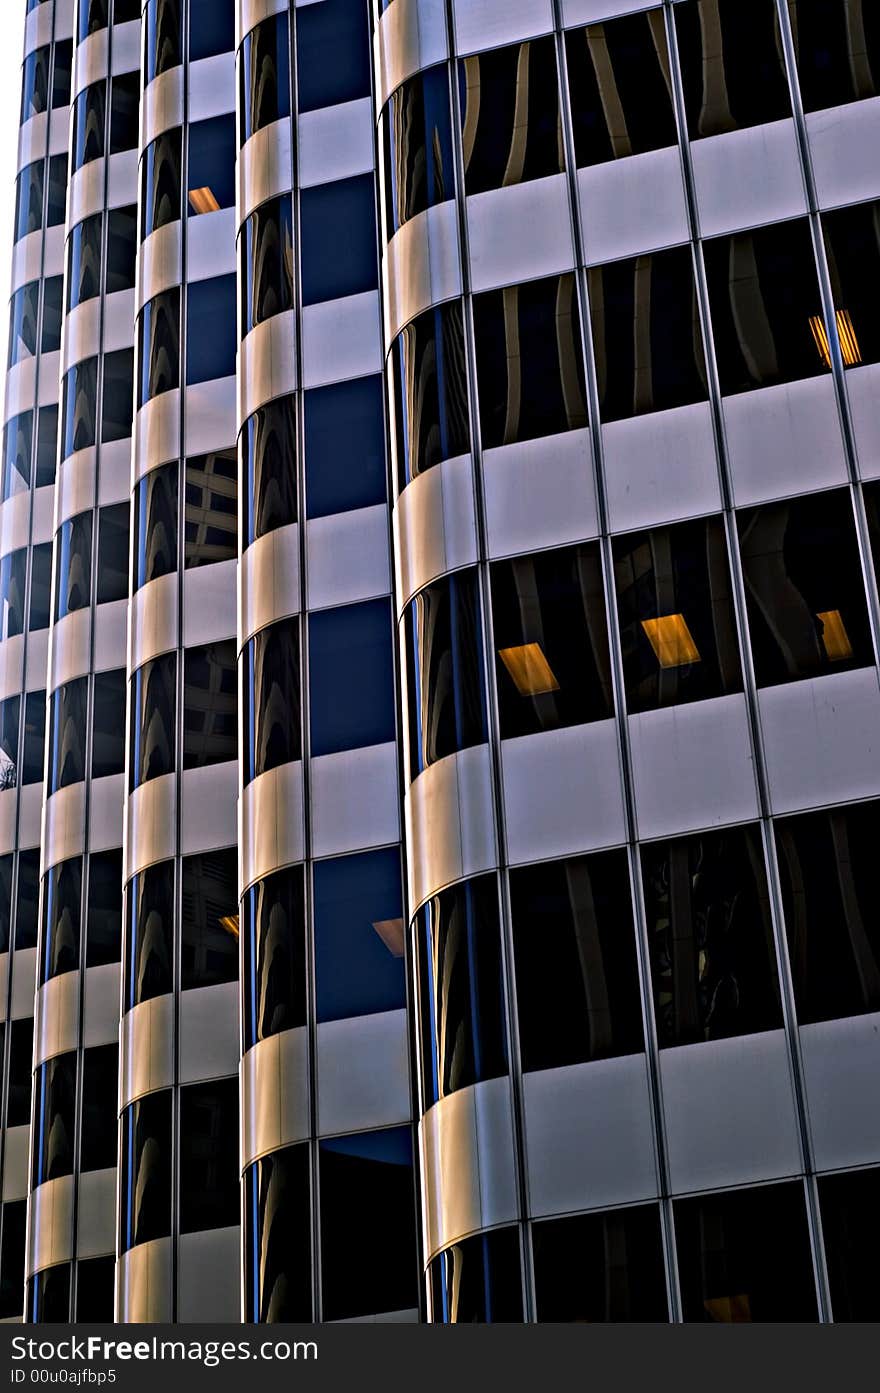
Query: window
23	312
21	1053
211	171
154	550
511	125
646	334
152	720
271	699
337	238
551	644
78	404
108	725
54	1119
12	1255
98	1128
29	200
710	937
674	607
73	565
852	241
851	1231
113	553
56	197
360	965
837	44
160	184
575	954
84	261
145	1211
149	917
48	1295
35	83
332	53
732	65
211	28
344	447
621	88
126	11
17	440
804	588
47	445
478	1280
26	907
416	137
428	379
162	38
67	735
210	523
264	75
266	263
601	1267
92	17
274	956
210	722
124	107
210	1192
159	346
766	310
444	667
828	879
368	1205
10	714
41	586
461	989
117	403
7	861
745	1256
34	738
63	64
12	578
121	249
268	469
278	1237
209	936
88	124
50	336
95	1283
351	680
210	340
104	909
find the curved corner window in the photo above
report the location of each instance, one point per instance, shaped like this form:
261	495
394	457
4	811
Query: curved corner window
121	249
154	552
510	116
145	1211
337	239
73	565
10	714
153	689
210	924
124	111
18	436
149	934
159	346
268	469
62	904
278	1237
274	990
264	75
23	313
35	83
12	577
416	132
79	398
92	17
67	735
54	1112
29	200
444	670
620	88
210	705
89	116
732	65
160	182
211	164
84	261
266	263
428	378
163	48
271	699
478	1280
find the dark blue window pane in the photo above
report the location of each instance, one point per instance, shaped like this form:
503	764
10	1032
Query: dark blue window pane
264	76
332	53
345	447
359	935
211	165
210	331
350	677
211	28
338	239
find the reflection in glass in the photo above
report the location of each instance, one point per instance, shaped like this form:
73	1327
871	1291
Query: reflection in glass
73	565
159	346
511	124
601	1267
35	83
621	88
54	1119
275	972
149	912
95	1290
79	399
34	738
210	724
155	525
345	446
23	312
332	54
444	668
47	446
210	525
62	903
266	263
152	720
417	147
732	65
264	76
48	1295
145	1211
112	551
478	1281
162	38
428	379
50	335
210	340
17	442
360	964
268	469
160	182
10	714
209	933
67	735
271	699
117	403
278	1238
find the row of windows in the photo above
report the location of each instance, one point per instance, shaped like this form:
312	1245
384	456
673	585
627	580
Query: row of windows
49	176
620	91
54	1114
210	339
81	425
68	730
69	939
211	32
26	335
209	516
73	559
210	172
13	572
91	139
85	266
209	712
25	902
46	87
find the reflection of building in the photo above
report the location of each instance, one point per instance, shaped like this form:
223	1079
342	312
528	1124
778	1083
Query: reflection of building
609	347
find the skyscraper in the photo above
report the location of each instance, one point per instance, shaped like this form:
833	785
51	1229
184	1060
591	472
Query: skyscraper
440	709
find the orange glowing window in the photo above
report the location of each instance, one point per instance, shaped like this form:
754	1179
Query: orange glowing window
834	636
532	674
849	344
671	640
203	201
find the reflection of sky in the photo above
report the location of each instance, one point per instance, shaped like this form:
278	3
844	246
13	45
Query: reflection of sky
10	97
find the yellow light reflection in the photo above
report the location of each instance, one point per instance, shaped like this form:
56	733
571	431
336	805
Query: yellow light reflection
532	674
671	640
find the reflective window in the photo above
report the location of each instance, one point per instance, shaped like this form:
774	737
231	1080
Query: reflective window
92	16
84	261
478	1281
211	168
511	125
162	37
61	72
271	699
851	1231
152	720
17	441
56	197
268	469
444	670
124	104
23	311
368	1206
827	870
837	44
351	680
10	715
345	447
27	901
12	1255
104	909
41	586
601	1267
108	727
745	1256
48	1295
155	525
113	553
274	956
211	338
621	88
67	735
79	398
98	1130
145	1211
530	370
360	966
710	937
677	627
160	182
121	249
211	28
337	239
278	1238
209	936
12	578
29	200
117	403
766	312
149	914
646	334
732	65
461	989
416	136
266	263
210	721
34	738
429	386
210	1192
95	1283
852	242
50	335
21	1053
804	588
73	565
35	83
7	861
88	124
210	508
54	1113
47	445
264	76
551	640
159	346
575	952
332	53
